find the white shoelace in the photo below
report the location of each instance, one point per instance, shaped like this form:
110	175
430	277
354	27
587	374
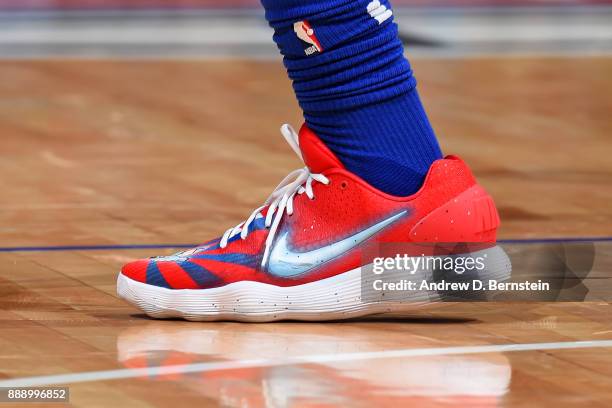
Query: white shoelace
281	199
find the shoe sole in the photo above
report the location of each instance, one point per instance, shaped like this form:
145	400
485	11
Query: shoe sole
335	298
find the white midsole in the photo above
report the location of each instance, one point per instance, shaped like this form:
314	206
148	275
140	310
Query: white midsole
337	297
327	299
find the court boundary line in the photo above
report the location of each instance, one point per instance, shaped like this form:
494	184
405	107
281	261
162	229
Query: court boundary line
124	373
60	248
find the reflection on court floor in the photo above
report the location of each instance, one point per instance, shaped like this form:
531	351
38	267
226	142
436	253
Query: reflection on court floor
455	380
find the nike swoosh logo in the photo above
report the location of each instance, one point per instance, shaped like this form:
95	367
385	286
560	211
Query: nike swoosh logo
286	263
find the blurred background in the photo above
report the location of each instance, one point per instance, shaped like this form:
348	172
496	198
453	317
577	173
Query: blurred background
138	94
208	28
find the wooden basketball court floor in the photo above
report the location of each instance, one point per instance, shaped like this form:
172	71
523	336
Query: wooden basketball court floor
101	158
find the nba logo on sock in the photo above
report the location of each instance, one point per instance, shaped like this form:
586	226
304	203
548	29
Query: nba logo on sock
305	32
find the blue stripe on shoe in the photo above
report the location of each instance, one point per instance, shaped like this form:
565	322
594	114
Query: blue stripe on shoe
233	258
154	276
202	276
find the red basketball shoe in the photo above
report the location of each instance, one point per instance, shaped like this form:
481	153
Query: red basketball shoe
301	254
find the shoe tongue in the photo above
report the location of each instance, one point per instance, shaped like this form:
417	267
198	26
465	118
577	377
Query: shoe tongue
316	155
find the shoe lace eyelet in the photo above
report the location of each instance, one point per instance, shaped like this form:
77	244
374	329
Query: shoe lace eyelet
343	185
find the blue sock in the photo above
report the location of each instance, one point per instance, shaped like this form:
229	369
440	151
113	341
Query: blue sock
356	88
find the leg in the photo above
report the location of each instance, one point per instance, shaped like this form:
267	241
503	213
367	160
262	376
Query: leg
297	257
356	88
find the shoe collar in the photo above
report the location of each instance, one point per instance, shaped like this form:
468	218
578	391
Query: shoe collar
315	154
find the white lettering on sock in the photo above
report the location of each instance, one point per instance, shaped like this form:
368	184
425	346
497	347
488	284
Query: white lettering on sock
379	11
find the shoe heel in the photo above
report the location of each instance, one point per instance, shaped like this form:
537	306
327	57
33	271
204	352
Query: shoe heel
469	217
